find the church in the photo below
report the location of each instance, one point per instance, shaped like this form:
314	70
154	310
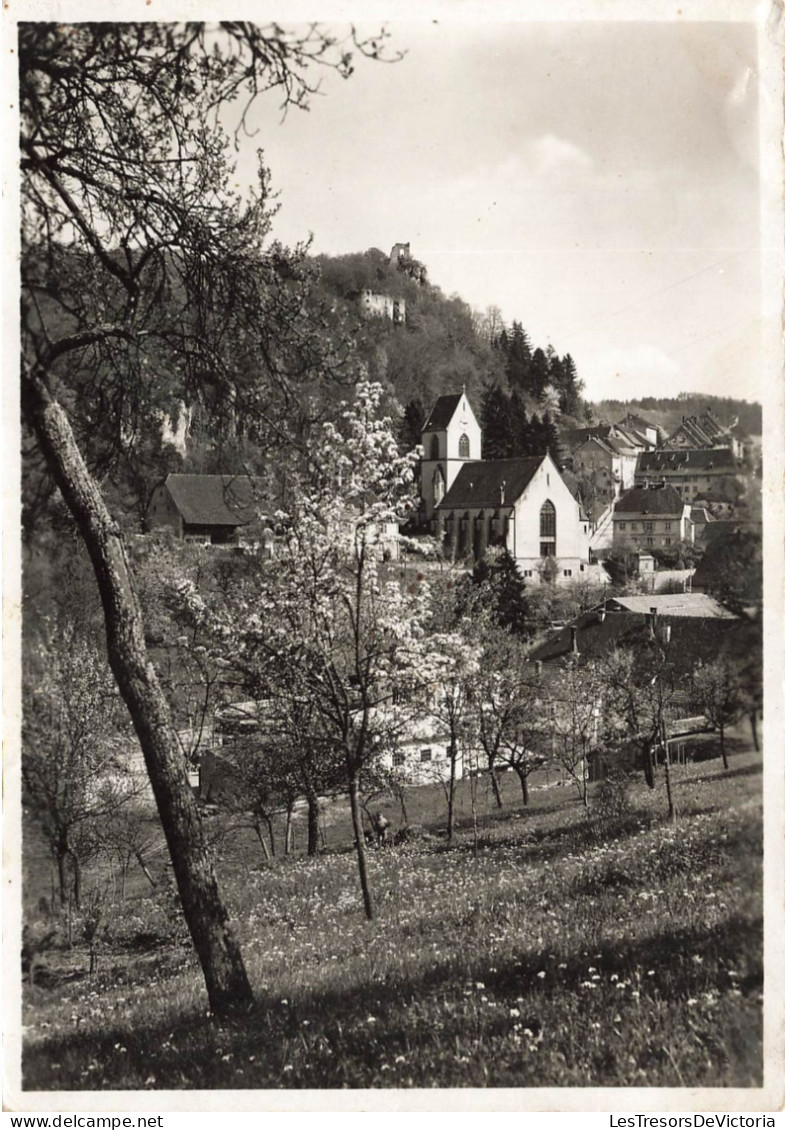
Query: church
521	503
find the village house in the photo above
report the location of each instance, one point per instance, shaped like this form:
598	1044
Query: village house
609	463
651	517
573	439
691	471
210	509
640	429
691	628
694	626
705	431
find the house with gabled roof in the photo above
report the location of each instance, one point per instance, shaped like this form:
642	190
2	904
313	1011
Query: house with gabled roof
523	505
694	627
691	471
212	509
609	462
704	430
651	517
639	428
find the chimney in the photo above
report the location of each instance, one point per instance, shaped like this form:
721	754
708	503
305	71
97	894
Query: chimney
574	640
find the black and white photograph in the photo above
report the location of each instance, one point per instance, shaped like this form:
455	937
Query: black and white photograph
392	471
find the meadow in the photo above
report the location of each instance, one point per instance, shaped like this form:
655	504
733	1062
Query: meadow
552	946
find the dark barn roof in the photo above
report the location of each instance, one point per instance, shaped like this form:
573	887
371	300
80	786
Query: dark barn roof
442	412
213	500
479	484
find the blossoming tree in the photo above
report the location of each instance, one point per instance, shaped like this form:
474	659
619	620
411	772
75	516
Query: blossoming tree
331	620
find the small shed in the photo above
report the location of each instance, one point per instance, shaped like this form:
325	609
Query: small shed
211	509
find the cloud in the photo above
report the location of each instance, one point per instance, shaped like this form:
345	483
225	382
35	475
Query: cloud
554	155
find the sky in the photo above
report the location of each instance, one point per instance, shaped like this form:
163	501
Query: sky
597	181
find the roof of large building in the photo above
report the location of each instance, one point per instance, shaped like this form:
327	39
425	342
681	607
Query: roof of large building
574	437
688	640
213	500
672	604
442	412
480	484
650	500
686	459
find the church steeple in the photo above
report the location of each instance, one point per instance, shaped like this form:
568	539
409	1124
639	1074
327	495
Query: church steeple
451	436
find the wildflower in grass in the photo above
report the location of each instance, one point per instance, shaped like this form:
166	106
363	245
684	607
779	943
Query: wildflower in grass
541	974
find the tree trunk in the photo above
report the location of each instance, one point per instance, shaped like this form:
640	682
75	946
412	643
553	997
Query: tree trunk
523	778
451	794
145	869
754	727
668	789
288	841
497	796
62	878
359	839
271	833
77	866
257	827
648	764
722	747
313	823
227	984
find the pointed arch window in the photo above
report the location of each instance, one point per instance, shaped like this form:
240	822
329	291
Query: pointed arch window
547	529
438	486
463	447
435	447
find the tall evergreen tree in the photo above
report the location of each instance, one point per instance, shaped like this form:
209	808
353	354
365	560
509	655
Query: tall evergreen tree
520	437
518	358
538	374
495	420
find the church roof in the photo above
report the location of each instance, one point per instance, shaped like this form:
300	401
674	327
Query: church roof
213	500
479	484
442	412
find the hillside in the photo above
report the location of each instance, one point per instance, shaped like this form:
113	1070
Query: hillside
546	947
667	412
440	343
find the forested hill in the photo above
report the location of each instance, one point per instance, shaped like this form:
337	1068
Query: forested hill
432	344
667	412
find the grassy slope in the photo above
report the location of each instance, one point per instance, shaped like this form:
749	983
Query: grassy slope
541	956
